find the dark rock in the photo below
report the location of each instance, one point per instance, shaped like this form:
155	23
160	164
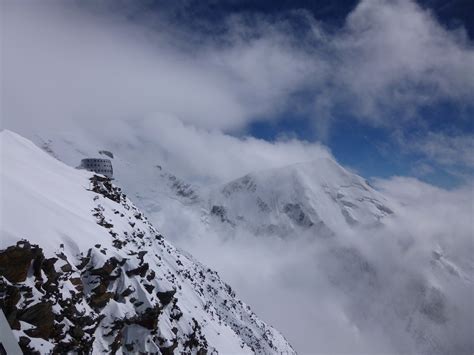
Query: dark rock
141	270
77	282
100	300
48	268
105	271
127	292
41	315
85	260
66	267
24	343
149	288
102	185
118	244
9	304
37	264
15	261
165	297
151	275
61	255
221	212
129	347
196	340
77	332
117	343
141	255
169	350
149	318
296	213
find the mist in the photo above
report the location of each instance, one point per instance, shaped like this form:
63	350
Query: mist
355	293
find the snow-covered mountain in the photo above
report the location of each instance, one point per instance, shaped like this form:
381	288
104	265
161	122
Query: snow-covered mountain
318	197
81	268
388	278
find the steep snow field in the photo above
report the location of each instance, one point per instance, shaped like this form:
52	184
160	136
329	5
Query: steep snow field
349	269
82	268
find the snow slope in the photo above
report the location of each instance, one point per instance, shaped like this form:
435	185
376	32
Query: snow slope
82	268
147	180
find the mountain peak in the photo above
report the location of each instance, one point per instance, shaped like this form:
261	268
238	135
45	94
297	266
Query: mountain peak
318	195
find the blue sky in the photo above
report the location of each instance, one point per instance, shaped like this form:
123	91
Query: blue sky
374	151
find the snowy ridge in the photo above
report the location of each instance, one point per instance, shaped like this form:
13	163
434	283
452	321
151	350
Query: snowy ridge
92	273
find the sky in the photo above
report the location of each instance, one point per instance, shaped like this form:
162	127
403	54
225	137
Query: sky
386	86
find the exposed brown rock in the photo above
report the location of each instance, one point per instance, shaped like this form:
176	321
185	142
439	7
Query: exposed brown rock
100	300
41	315
9	302
77	282
169	350
149	318
15	261
66	267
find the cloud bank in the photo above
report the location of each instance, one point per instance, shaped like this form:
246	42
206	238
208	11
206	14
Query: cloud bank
64	64
201	155
358	293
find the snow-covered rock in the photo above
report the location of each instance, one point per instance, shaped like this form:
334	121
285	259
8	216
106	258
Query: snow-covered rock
81	268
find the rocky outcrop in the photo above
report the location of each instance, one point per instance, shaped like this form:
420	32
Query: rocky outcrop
16	260
121	294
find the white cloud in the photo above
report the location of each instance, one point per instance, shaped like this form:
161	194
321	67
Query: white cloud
196	154
434	214
395	57
325	303
448	150
61	63
453	153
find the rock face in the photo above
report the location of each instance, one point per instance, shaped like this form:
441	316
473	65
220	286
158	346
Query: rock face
104	279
